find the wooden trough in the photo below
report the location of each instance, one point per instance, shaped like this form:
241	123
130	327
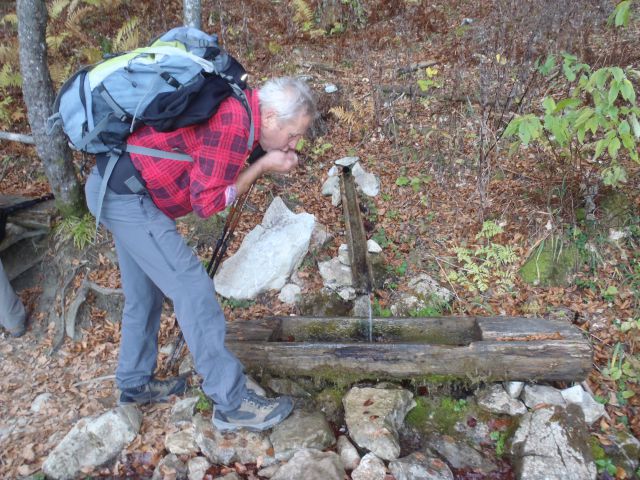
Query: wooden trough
445	348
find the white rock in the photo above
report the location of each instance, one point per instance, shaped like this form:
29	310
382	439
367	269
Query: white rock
197	468
369	184
592	410
496	400
348	453
290	293
268	255
514	389
343	254
370	468
347	293
346	161
39	402
536	394
182	442
330	88
373	247
330	185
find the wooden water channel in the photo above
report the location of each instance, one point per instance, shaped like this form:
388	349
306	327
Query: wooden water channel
445	348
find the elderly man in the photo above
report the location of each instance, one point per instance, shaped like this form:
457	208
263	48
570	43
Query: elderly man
156	262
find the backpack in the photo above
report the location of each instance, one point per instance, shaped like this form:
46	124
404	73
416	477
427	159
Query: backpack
180	79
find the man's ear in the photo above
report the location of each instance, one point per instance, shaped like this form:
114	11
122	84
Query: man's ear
270	118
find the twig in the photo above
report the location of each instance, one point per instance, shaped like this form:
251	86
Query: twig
17	137
417	66
97	379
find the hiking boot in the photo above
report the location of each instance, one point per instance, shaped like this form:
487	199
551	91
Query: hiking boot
255	413
18	332
156	391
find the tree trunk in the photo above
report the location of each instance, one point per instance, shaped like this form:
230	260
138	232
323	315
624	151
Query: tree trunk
37	89
192	13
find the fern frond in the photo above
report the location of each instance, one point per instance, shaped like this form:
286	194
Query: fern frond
5	111
60	72
10	19
343	116
92	55
72	6
8	54
55	42
9	77
75	16
127	36
303	13
56	8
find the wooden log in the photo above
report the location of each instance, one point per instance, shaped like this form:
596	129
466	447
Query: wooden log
466	348
356	237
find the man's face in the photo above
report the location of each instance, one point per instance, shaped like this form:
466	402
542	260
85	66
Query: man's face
282	135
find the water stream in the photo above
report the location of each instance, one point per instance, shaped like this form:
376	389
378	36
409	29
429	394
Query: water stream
370	319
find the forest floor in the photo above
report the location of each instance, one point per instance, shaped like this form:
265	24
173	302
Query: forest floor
415	82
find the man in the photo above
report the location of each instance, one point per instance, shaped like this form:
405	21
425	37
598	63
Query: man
12	312
155	261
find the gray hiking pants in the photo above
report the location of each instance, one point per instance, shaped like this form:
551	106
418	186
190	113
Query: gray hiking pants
12	313
156	262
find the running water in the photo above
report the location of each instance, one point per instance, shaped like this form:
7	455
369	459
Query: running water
370	320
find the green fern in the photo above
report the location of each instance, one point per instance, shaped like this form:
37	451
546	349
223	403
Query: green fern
56	8
55	42
8	54
127	36
10	19
5	110
9	78
303	15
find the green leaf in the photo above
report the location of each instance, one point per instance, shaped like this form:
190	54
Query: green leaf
617	73
624	127
627	141
600	146
613	176
567	103
613	92
585	114
628	93
546	68
402	181
549	104
628	394
568	71
613	147
424	84
512	127
592	124
600	77
622	13
635	124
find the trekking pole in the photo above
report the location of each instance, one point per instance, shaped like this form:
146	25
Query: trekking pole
220	249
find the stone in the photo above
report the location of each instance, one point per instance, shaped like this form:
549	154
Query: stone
284	386
551	265
183	410
346	161
186	366
343	255
624	450
170	468
536	394
301	430
459	454
514	389
362	306
228	447
347	293
269	471
374	416
418	466
182	442
591	409
39	402
495	399
367	182
427	288
268	255
373	247
93	441
197	468
336	198
309	464
330	185
334	274
320	236
370	468
290	294
552	443
229	476
348	453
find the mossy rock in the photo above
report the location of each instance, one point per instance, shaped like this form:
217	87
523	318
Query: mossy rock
615	210
552	264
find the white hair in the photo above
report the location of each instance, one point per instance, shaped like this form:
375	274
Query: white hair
287	96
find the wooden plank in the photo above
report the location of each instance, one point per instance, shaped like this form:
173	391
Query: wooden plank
356	237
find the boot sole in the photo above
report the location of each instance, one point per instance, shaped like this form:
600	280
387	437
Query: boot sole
223	426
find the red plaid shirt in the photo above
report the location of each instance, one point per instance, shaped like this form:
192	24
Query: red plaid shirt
219	150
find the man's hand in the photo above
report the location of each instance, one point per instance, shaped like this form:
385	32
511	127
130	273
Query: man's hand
278	161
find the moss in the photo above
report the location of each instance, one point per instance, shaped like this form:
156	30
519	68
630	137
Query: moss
418	415
616	210
551	264
597	452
